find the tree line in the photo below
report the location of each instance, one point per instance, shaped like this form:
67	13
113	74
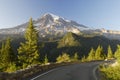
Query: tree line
99	55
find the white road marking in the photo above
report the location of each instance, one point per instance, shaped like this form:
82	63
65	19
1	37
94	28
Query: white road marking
43	74
94	71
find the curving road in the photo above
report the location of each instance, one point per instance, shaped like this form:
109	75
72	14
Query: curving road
82	71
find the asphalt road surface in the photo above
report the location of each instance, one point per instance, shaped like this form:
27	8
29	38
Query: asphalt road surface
82	71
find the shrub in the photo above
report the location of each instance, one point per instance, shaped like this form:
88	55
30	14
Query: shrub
11	68
110	73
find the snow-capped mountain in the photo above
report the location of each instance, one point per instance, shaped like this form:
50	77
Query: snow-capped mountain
51	25
48	24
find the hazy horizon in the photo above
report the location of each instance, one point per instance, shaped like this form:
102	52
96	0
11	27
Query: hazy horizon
92	13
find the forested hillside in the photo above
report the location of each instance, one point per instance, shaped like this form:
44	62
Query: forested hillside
70	43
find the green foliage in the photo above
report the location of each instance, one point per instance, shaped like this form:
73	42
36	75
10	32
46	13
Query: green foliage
117	53
24	65
109	54
50	47
99	53
11	68
28	52
63	58
68	40
110	73
7	56
83	59
46	59
91	55
2	55
75	57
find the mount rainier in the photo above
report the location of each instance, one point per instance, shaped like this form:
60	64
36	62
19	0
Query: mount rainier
50	25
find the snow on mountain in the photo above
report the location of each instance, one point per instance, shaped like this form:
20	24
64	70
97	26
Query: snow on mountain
54	16
48	24
52	25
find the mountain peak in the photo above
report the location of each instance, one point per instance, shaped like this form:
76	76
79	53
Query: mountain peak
51	15
49	24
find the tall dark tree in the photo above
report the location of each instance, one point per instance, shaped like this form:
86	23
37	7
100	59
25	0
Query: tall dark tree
28	52
109	54
91	55
7	55
99	53
2	55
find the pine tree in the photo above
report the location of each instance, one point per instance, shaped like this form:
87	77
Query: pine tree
59	59
9	51
28	52
109	54
75	57
99	53
0	62
2	55
45	59
68	40
91	55
63	58
83	59
117	53
7	55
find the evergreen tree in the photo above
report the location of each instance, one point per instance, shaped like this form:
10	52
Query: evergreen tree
109	54
2	55
28	52
83	59
7	56
91	55
45	59
59	59
75	57
8	50
117	53
63	58
70	39
99	53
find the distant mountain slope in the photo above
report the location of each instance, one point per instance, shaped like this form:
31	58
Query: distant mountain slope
86	43
50	25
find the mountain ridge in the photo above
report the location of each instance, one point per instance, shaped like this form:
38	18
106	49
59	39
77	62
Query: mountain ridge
49	25
46	24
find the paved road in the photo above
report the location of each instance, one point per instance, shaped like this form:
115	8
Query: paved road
83	71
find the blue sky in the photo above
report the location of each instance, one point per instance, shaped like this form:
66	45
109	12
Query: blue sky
92	13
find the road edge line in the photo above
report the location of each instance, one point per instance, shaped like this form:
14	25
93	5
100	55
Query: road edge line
43	74
94	72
